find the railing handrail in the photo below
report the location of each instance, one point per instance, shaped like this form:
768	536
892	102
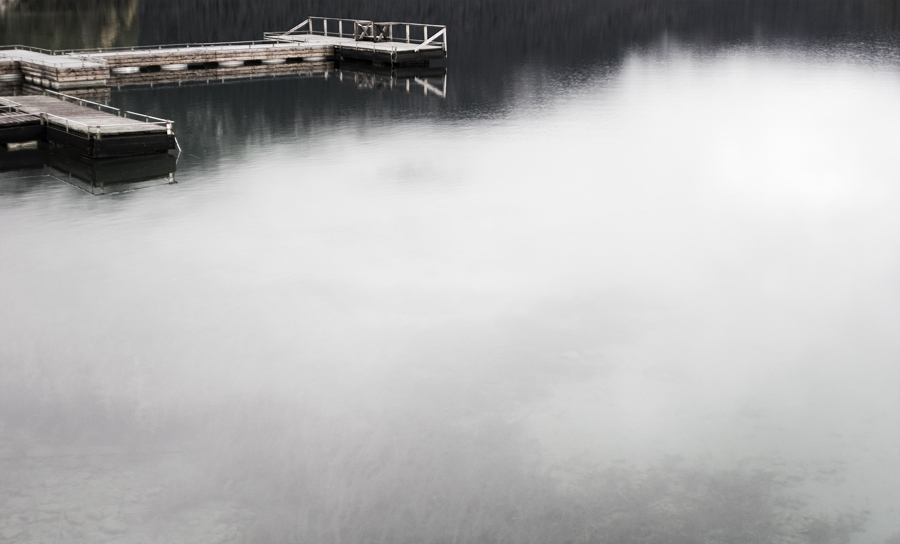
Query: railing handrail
296	28
27	48
440	31
376	22
161	46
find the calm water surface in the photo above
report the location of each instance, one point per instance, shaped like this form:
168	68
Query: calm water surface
632	283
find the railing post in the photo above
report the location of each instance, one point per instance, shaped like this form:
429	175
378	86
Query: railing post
340	28
426	34
407	33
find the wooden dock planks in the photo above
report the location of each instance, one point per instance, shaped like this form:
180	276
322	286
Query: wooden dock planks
210	54
80	119
82	126
12	118
19	127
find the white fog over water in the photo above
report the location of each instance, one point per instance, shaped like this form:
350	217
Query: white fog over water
649	302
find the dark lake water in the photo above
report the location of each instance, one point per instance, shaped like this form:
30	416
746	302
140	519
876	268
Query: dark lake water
632	279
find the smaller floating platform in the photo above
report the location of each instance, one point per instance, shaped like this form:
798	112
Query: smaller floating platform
94	130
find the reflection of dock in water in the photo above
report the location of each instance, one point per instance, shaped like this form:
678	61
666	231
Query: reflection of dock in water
425	79
214	75
94	176
429	80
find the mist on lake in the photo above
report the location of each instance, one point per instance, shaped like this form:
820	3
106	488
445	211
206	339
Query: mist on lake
632	279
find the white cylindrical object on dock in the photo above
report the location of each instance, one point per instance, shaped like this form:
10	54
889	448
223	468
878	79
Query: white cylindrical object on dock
125	70
231	63
314	59
11	77
173	67
274	61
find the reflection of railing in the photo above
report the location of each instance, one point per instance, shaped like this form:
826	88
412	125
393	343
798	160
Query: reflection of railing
432	81
392	32
426	86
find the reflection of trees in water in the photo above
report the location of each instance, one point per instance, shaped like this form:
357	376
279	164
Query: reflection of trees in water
60	24
225	119
7	4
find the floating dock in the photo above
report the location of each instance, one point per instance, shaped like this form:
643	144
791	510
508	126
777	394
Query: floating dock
315	40
94	130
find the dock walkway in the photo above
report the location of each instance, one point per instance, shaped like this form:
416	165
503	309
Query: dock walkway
77	118
316	39
95	130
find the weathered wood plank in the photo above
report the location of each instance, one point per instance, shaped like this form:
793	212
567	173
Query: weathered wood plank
81	120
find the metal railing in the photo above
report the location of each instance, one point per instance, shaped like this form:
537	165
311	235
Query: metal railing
421	35
89	54
71	54
27	48
176	46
